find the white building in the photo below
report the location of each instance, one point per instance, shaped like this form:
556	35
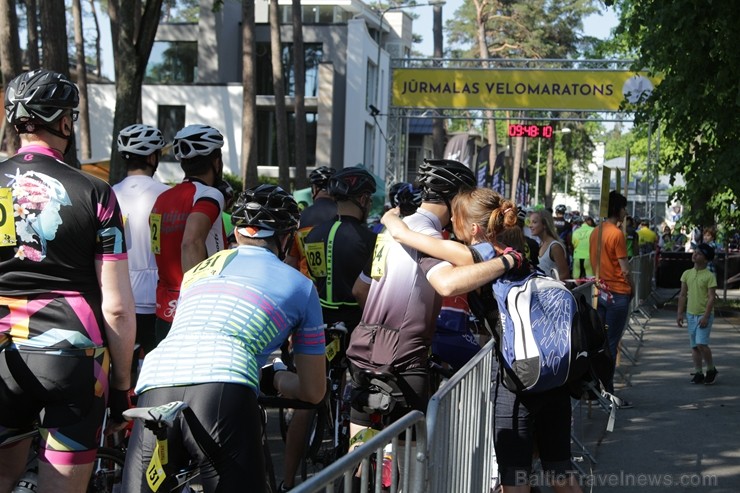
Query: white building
195	71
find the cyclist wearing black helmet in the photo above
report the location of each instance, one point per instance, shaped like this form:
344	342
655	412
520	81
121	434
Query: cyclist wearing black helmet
140	146
186	224
336	251
323	209
67	321
400	314
232	316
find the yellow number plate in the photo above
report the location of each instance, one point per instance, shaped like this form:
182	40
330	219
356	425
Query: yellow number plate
155	228
155	474
382	244
332	349
7	224
316	259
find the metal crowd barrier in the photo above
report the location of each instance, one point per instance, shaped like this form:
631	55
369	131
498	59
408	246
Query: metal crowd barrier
410	479
460	429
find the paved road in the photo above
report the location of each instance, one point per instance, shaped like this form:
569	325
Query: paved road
679	436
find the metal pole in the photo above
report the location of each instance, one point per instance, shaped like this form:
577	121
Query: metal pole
537	182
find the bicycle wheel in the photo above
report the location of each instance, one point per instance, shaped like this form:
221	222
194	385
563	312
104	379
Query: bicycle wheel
319	449
107	472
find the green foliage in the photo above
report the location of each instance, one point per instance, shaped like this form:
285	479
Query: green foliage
235	181
692	46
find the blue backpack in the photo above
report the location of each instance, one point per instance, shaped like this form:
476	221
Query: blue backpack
539	342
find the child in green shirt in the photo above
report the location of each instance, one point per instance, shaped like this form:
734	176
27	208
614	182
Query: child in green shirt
696	301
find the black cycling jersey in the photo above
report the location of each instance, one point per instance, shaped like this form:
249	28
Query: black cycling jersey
336	253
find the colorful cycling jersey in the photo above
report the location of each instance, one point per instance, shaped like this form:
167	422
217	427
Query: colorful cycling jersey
322	210
136	195
336	252
55	223
232	315
401	310
167	223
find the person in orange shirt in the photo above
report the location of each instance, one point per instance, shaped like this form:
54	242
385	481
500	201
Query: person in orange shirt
612	266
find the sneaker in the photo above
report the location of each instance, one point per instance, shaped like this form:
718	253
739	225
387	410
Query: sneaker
698	377
711	376
625	404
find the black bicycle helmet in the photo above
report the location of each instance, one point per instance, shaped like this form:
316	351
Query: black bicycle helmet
441	179
320	176
39	97
406	197
267	208
351	182
560	209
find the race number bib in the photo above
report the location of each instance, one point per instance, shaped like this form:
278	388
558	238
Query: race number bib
382	245
7	224
316	259
208	268
155	474
155	230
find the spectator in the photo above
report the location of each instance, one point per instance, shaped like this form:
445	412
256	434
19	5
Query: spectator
633	240
68	320
564	229
696	303
232	316
140	146
709	237
186	224
647	237
552	259
581	249
608	253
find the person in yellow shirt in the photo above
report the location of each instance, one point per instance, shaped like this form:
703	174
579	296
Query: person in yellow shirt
581	263
648	238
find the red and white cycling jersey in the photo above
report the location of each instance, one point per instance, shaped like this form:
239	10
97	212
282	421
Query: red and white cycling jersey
167	224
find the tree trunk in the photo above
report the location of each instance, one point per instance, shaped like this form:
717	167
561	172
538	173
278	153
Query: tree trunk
32	27
84	121
299	69
281	122
98	51
516	166
54	55
250	175
131	49
10	61
438	125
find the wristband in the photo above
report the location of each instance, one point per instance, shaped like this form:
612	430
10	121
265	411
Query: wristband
507	266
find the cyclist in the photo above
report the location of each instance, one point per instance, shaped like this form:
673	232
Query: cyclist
400	313
323	209
336	250
232	315
186	225
66	307
140	146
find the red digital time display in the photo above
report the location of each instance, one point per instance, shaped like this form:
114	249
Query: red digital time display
532	131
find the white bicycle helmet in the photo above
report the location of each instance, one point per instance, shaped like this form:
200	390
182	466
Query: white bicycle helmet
140	139
196	140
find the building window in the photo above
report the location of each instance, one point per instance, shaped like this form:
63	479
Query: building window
170	119
172	62
267	139
369	153
314	53
316	14
372	84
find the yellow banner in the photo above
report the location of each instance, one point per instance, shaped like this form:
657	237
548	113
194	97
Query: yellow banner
575	90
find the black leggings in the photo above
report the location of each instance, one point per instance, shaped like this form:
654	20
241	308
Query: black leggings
229	414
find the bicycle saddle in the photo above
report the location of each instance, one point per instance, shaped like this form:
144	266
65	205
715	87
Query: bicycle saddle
166	413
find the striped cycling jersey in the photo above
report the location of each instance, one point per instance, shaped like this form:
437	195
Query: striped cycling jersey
235	309
55	223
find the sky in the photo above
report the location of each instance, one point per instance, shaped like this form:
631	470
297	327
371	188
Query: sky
596	25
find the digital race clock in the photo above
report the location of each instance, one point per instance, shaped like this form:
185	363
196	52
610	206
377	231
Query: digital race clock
527	130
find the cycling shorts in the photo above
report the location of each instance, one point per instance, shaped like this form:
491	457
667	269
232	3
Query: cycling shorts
70	386
229	413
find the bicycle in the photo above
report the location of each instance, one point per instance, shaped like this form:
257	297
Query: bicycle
327	437
107	470
158	475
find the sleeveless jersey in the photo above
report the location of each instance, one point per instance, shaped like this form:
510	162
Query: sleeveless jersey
232	315
167	225
136	195
336	253
55	222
